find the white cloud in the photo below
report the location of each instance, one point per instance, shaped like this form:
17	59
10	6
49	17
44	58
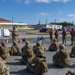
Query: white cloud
60	13
38	1
66	0
27	1
61	19
45	14
19	1
45	1
48	1
71	15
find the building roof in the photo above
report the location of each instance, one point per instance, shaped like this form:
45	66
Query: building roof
8	22
4	20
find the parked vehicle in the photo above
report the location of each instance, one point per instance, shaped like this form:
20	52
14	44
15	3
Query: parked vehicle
43	29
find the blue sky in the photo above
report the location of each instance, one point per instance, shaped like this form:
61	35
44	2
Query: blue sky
31	11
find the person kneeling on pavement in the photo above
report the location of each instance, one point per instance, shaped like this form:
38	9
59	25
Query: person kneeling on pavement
4	53
15	49
54	46
62	57
39	64
38	45
72	54
28	55
4	70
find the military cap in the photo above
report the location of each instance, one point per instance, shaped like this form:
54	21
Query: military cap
27	42
28	46
61	46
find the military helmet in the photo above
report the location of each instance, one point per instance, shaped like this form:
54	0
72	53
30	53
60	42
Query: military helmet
28	46
3	43
38	43
39	53
61	46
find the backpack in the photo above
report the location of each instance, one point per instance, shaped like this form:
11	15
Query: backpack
29	53
43	66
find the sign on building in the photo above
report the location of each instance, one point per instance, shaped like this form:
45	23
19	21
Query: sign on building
6	32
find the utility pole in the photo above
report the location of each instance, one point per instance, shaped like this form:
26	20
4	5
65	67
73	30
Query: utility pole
39	22
46	21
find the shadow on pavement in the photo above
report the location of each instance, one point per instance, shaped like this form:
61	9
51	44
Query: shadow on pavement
72	66
15	63
53	66
24	72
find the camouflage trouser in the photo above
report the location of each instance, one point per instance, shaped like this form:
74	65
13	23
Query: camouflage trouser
60	63
14	39
4	70
64	39
51	37
72	39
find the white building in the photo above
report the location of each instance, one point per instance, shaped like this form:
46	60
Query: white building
9	24
53	26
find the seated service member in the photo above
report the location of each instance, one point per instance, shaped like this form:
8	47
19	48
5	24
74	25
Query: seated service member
4	70
62	57
54	46
39	64
27	43
4	53
28	56
15	49
38	45
72	54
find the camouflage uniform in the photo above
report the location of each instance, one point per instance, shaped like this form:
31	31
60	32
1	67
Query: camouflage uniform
4	53
54	46
64	36
15	34
28	55
38	45
51	34
36	66
72	33
4	70
15	49
27	43
62	57
56	34
72	54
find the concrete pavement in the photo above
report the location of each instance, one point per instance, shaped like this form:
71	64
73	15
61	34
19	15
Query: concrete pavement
17	68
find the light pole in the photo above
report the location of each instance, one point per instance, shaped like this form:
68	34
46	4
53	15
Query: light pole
12	21
46	21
